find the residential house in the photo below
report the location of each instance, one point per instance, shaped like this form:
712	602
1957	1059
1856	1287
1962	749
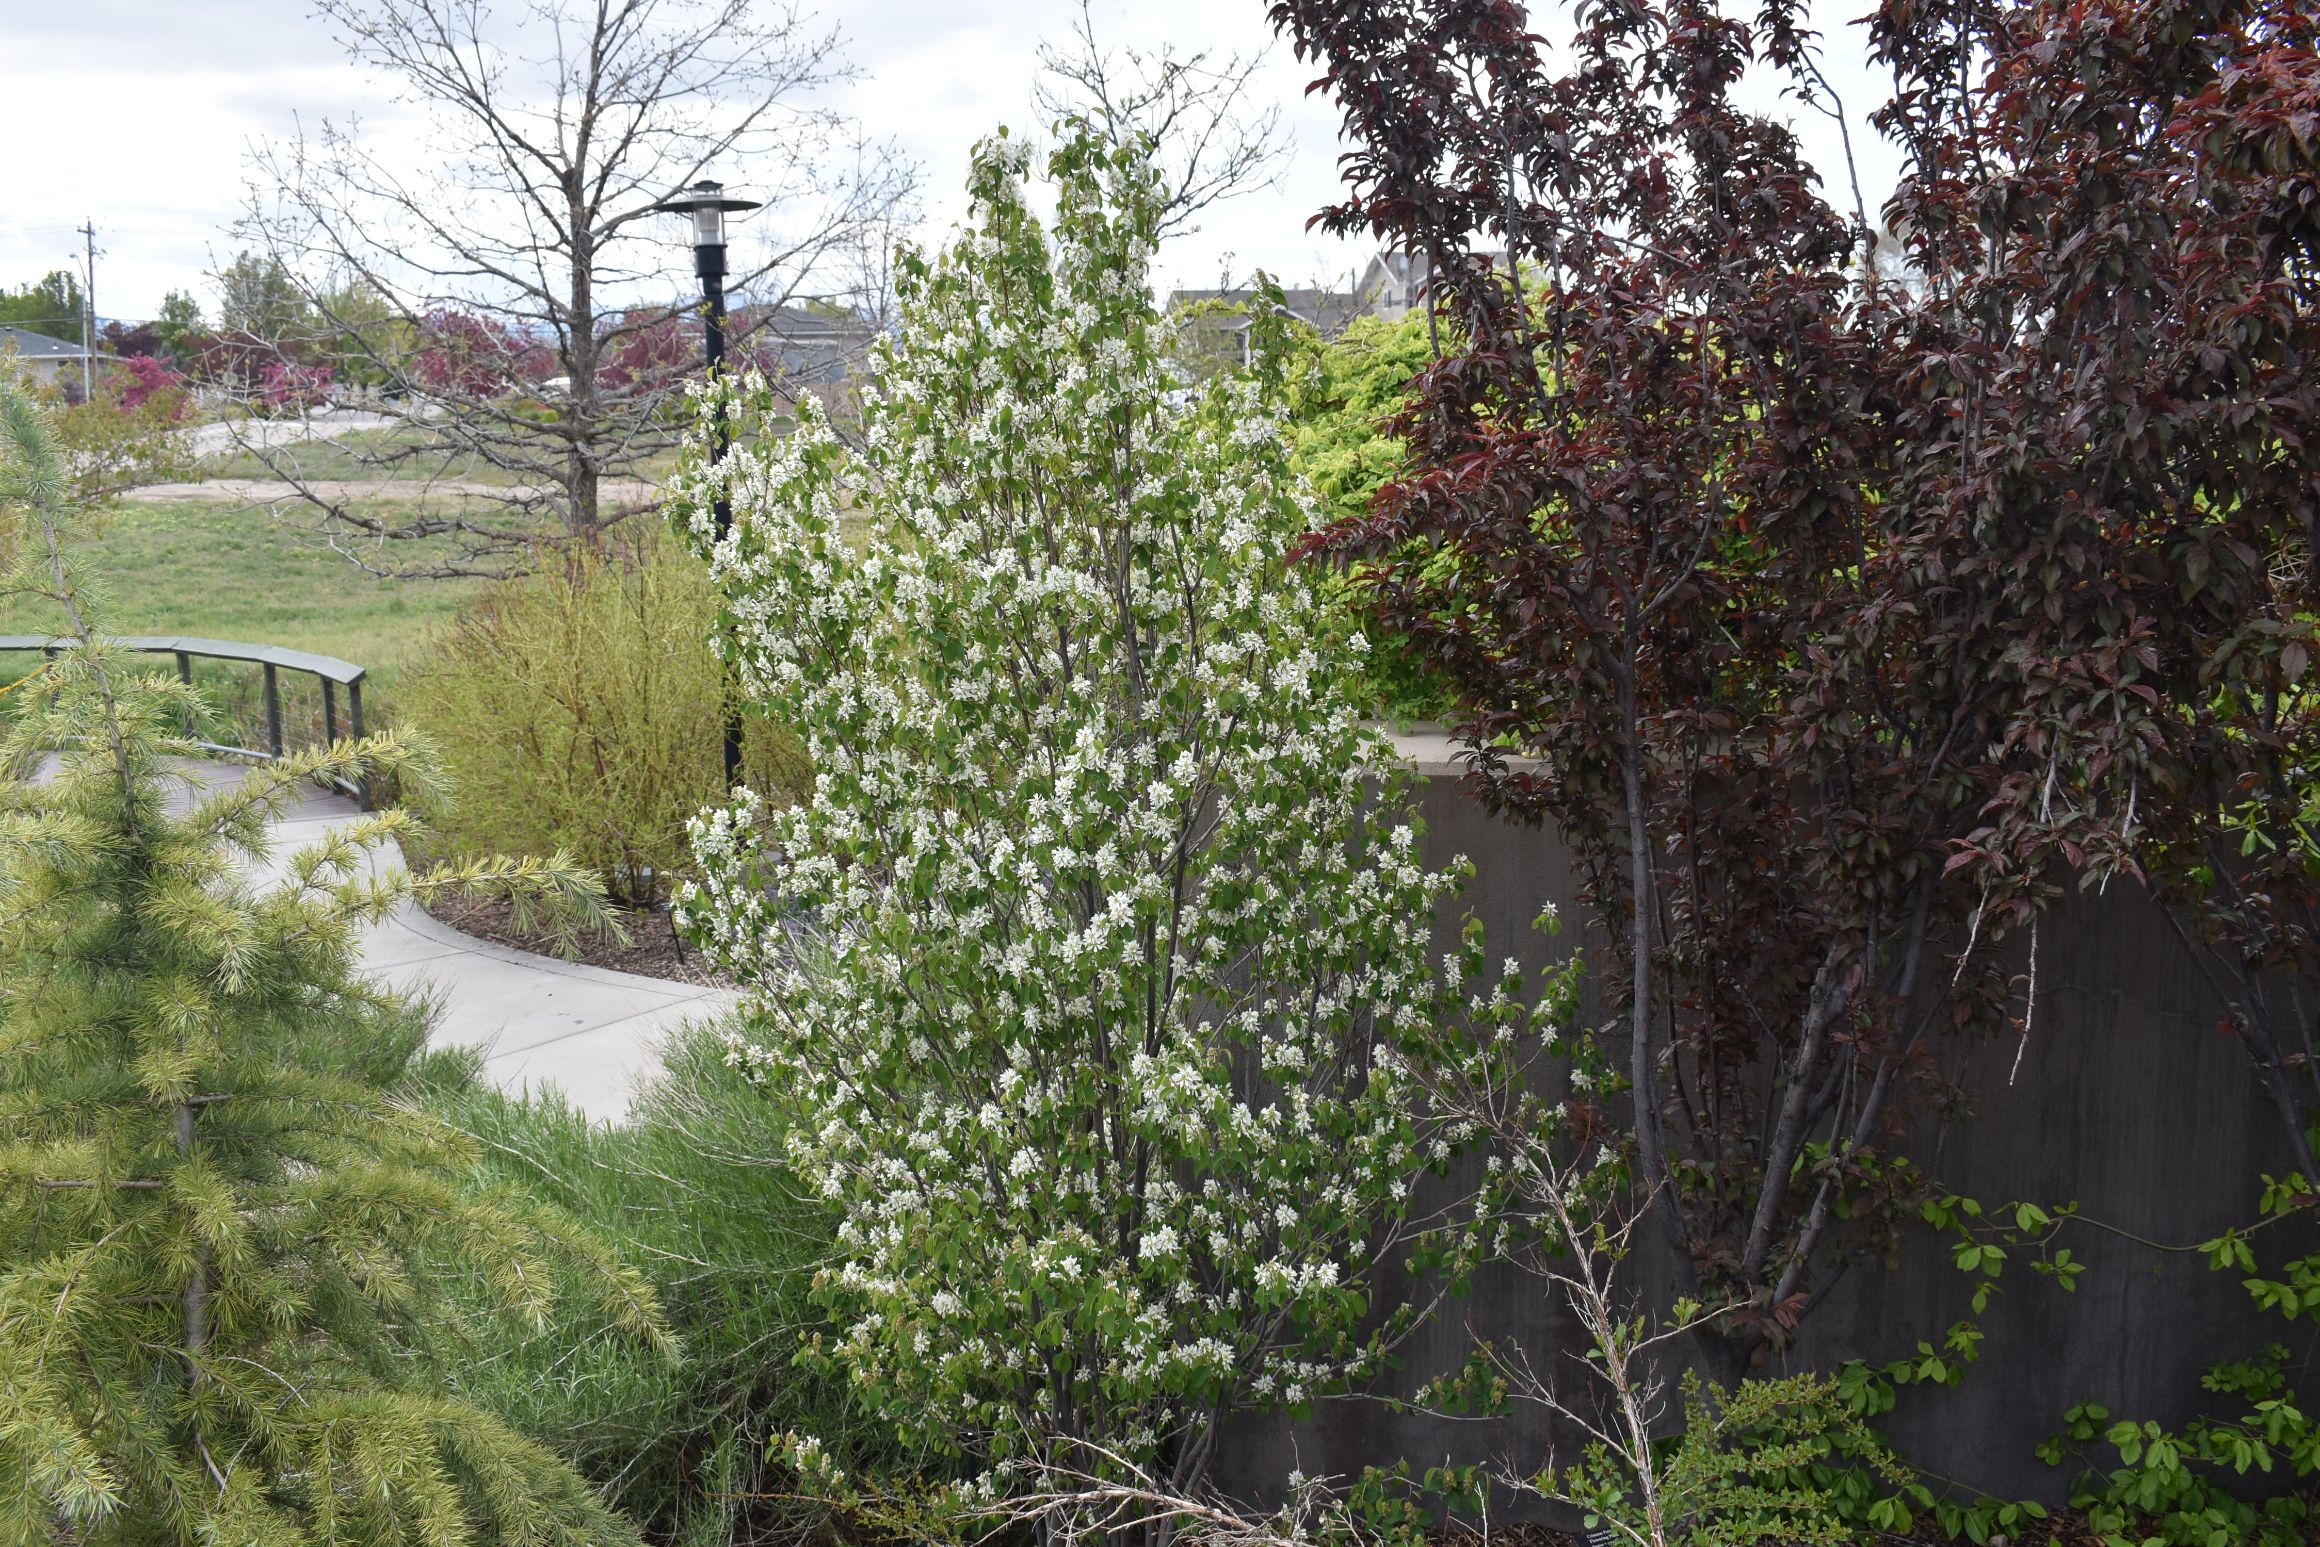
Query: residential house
804	348
1216	322
1390	287
44	359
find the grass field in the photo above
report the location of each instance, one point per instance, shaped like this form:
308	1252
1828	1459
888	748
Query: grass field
365	455
362	455
229	573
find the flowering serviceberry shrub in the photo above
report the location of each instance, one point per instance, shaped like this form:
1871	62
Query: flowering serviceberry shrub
1095	977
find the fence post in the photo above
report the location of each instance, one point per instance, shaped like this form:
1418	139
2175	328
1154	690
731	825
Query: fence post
273	710
329	709
355	726
185	675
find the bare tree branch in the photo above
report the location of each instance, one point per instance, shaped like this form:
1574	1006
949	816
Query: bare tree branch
1209	139
493	287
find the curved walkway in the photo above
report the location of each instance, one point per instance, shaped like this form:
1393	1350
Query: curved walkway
590	1032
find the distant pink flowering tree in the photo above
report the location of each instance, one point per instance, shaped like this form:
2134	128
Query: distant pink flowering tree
471	355
143	382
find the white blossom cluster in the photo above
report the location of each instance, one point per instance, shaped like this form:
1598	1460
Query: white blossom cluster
1095	976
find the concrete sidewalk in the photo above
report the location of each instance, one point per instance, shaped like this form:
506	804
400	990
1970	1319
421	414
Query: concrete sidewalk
590	1032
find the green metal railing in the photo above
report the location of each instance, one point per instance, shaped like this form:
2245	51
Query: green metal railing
330	672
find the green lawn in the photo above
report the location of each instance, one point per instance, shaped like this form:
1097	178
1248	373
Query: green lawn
228	573
364	455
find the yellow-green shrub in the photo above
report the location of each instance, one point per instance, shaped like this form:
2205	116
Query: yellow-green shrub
581	708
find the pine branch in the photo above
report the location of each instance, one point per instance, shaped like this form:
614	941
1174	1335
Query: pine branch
226	1233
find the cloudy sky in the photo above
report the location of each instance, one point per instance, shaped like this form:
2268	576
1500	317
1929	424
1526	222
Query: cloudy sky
138	115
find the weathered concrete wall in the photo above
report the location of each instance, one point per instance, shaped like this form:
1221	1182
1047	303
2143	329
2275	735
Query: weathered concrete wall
2126	1099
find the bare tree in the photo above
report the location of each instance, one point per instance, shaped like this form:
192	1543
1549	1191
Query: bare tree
500	291
1210	140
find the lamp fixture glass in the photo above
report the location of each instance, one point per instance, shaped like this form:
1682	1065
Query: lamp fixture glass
706	202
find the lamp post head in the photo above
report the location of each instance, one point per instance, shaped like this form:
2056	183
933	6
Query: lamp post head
707	202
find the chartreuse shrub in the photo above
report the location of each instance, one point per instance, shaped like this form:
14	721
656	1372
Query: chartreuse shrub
580	708
695	1186
1730	1475
227	1241
1094	981
1342	440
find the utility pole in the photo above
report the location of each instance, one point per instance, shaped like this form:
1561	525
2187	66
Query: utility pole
88	309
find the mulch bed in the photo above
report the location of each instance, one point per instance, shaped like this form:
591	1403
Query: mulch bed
653	949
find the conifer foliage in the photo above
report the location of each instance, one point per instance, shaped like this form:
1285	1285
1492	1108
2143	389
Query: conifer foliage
223	1236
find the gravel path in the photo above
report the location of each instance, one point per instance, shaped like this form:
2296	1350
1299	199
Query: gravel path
211	440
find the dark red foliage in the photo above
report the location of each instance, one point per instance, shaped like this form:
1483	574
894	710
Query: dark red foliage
652	351
144	378
133	342
472	356
1837	612
2106	405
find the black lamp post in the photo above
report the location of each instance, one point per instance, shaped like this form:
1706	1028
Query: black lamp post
707	204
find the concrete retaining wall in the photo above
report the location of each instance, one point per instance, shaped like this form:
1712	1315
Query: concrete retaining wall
2127	1099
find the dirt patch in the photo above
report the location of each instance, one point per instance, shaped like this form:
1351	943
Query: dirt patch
653	949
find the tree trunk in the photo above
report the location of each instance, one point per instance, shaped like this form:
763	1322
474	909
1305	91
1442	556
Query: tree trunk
1640	1072
582	468
193	1300
2265	1042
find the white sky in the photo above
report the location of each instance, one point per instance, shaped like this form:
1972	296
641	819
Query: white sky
137	114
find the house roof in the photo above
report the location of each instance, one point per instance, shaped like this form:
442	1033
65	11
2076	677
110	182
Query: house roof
810	346
1400	267
1391	282
38	346
794	321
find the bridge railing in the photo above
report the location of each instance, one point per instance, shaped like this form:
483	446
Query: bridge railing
334	676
